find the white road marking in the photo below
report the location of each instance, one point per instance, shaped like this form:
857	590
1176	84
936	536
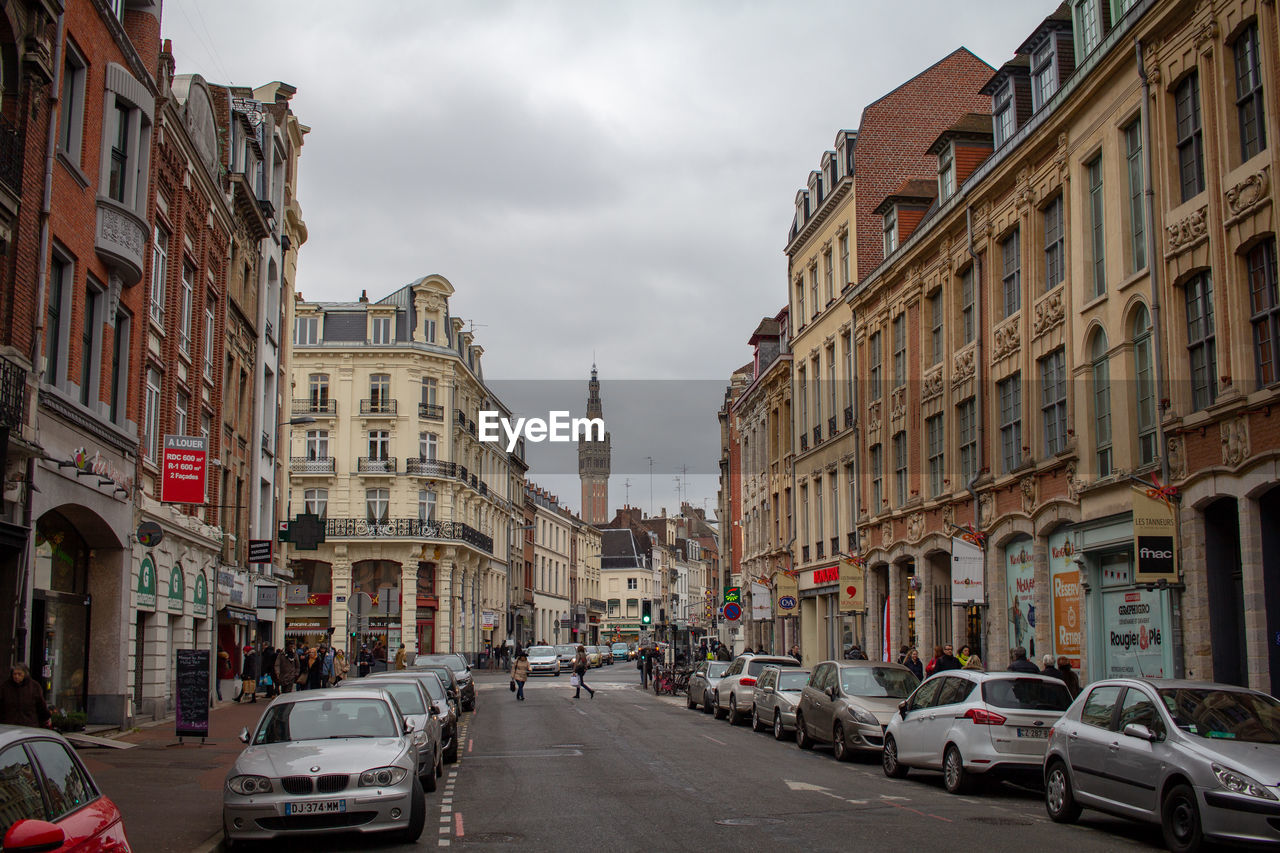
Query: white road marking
713	740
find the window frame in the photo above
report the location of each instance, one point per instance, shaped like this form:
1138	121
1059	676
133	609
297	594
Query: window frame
900	478
316	501
1134	167
946	172
1053	400
1044	73
1011	273
1250	105
874	364
377	498
306	330
1009	395
1051	216
187	296
151	416
1144	388
968	314
936	330
899	328
967	439
91	343
381	330
1100	369
829	273
71	109
62	276
891	230
1097	227
1201	340
1003	115
1189	136
1264	318
875	454
935	436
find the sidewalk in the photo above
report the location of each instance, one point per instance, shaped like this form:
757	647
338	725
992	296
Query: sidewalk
171	794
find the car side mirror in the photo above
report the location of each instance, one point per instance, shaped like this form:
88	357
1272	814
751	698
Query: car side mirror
833	692
408	727
34	835
902	708
244	738
1139	731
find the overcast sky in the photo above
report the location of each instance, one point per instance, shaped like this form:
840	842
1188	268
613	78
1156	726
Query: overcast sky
613	178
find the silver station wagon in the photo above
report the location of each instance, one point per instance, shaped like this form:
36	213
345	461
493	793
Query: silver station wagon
324	761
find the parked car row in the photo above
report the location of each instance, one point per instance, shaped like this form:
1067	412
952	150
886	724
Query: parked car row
1200	760
359	757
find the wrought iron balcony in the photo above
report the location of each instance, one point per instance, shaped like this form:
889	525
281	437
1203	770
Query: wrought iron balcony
848	416
461	417
309	406
430	411
430	468
817	435
376	465
378	406
309	465
406	528
13	395
804	553
819	549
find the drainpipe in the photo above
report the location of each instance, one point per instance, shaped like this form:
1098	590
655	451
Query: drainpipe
977	385
1157	343
37	346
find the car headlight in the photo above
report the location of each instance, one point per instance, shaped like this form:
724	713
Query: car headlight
862	716
1239	783
381	777
419	738
249	785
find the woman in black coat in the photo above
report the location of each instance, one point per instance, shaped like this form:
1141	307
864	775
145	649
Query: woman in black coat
912	662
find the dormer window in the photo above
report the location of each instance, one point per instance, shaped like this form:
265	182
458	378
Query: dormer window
1087	26
380	330
1044	74
946	173
1002	120
890	231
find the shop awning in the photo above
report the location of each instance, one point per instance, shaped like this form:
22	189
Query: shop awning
239	614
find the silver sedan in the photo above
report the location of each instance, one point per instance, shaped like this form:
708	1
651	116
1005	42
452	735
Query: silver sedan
703	682
1199	759
321	761
773	705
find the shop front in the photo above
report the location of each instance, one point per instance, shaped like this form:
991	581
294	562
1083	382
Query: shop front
822	626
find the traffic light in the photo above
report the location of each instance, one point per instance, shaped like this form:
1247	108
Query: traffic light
646	612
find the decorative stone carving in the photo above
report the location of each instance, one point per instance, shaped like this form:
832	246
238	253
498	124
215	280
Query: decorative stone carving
122	239
964	365
932	386
898	403
1073	483
1007	339
986	509
1208	32
1049	313
1245	195
1177	458
915	526
873	418
886	533
1188	231
948	517
1030	494
1235	440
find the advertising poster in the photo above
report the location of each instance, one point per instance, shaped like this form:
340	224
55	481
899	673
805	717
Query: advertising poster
966	572
1136	635
183	469
786	591
1068	601
1020	580
853	598
761	602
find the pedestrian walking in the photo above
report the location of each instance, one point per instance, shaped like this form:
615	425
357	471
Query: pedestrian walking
248	676
1050	669
1069	676
304	668
340	667
400	657
224	671
933	661
315	668
794	651
287	668
364	661
266	683
580	666
520	674
1020	662
947	660
22	700
974	664
326	667
723	653
914	664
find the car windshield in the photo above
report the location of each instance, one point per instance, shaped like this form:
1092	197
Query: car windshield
326	718
878	682
716	668
454	662
619	647
433	686
445	675
541	652
406	695
566	649
1026	694
756	666
788	680
1224	714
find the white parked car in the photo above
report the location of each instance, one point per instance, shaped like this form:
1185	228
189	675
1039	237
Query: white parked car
543	660
968	723
733	694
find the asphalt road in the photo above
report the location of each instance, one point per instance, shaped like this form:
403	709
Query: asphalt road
630	771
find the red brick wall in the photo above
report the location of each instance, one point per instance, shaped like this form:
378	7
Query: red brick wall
895	132
968	159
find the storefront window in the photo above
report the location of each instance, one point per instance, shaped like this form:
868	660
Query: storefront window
60	655
1065	594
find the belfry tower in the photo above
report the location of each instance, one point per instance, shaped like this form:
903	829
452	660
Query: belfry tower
593	462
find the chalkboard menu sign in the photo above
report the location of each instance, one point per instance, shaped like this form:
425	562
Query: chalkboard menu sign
192	717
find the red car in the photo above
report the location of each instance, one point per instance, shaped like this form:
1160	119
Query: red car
49	800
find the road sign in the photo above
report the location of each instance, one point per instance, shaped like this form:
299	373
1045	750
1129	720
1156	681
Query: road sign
360	605
732	611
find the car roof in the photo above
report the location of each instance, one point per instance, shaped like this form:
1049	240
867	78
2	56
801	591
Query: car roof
752	657
980	675
863	664
331	693
1172	684
10	734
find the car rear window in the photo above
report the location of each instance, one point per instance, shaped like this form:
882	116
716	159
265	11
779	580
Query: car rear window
1029	694
793	680
717	668
757	665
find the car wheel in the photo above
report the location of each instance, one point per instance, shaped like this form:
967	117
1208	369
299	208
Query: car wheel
428	780
734	716
889	760
451	754
778	731
690	703
706	703
840	747
802	737
417	816
1059	801
954	776
719	712
1180	820
756	725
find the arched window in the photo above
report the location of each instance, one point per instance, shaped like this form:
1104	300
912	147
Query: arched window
1145	386
1101	402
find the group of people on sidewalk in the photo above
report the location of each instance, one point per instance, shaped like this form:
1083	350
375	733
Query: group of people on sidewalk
944	659
273	672
520	674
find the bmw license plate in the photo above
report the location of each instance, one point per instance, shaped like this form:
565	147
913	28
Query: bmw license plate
316	807
1033	732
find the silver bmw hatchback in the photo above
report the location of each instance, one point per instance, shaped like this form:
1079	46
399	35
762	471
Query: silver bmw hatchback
1200	759
324	761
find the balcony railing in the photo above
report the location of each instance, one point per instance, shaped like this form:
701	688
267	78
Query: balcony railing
376	465
471	427
804	553
406	528
308	465
13	396
817	435
848	416
308	406
430	468
378	407
10	156
461	418
820	553
430	411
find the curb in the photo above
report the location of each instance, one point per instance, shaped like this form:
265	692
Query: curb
213	844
